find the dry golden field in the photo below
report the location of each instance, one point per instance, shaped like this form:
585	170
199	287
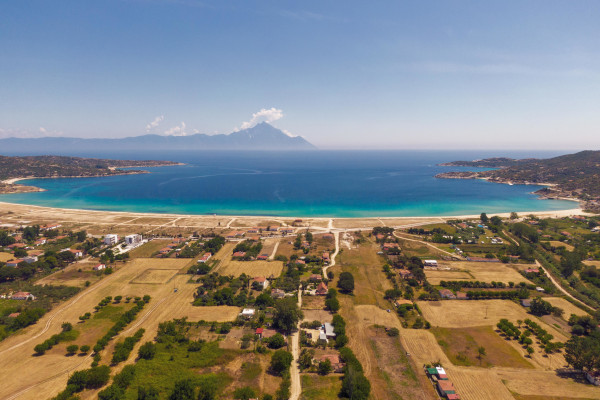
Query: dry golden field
71	276
154	276
479	271
546	383
568	307
557	244
4	257
478	384
251	268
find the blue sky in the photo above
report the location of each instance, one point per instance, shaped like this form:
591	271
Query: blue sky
343	74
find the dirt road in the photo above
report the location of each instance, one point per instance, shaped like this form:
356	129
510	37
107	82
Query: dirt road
336	235
296	388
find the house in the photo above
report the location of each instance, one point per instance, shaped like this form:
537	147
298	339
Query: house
30	259
99	267
111	239
205	257
462	296
273	229
334	359
254	230
405	274
76	253
328	236
259	332
277	294
14	263
593	377
526	302
326	257
301	262
50	227
133	239
315	277
328	329
239	254
321	289
445	387
430	263
262	257
14	315
539	289
261	281
532	270
447	294
40	242
380	236
389	246
287	230
247	313
22	296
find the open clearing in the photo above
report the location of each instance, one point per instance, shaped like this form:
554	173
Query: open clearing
477	271
317	387
569	308
479	384
75	274
546	383
464	313
147	249
461	344
154	276
251	268
4	257
557	244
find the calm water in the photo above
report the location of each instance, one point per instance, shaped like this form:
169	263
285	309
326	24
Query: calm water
323	183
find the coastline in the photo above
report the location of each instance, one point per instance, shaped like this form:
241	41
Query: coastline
4	206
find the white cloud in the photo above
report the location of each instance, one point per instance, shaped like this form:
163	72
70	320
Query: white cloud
43	130
154	123
264	115
178	130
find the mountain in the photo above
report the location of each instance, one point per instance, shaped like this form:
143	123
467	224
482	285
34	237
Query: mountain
496	162
260	137
571	175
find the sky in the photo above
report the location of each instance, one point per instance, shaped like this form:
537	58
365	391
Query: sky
342	74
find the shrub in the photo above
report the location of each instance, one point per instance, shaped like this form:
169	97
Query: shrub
281	361
148	350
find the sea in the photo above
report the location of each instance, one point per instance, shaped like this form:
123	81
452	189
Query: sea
332	184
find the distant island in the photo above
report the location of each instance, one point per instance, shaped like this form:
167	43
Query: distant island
17	168
572	176
260	137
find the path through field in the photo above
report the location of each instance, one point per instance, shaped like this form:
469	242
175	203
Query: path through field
296	388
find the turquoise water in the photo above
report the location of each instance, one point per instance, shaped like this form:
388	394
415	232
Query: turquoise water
305	184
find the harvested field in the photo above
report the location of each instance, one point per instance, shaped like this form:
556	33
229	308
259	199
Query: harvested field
557	244
422	346
71	276
209	313
547	384
568	307
155	276
592	263
317	315
476	271
480	384
251	268
4	257
313	302
461	344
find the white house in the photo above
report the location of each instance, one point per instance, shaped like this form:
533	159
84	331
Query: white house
430	263
593	377
30	259
205	257
111	239
247	313
328	328
133	239
22	296
262	282
99	267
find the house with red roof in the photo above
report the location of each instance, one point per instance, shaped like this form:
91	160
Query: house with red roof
321	289
261	281
22	296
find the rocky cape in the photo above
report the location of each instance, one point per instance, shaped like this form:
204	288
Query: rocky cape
260	137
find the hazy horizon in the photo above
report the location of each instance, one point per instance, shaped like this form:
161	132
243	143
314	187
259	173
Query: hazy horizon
436	75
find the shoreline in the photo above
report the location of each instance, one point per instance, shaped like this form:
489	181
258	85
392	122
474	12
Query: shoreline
550	214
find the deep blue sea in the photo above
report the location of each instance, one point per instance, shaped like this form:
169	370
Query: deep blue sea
303	184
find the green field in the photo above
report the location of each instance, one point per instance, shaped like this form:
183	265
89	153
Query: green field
317	387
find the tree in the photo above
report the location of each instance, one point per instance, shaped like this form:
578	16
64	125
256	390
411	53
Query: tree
6	239
72	349
277	341
540	307
514	215
40	348
97	377
112	392
244	393
286	314
583	352
305	359
324	367
484	218
20	253
332	304
480	353
183	390
208	390
81	236
346	282
147	393
84	349
281	361
147	351
530	350
355	385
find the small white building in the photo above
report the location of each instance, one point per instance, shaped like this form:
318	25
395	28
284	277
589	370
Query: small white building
99	267
111	239
30	259
22	296
205	258
540	289
593	377
328	328
133	239
248	313
430	263
261	281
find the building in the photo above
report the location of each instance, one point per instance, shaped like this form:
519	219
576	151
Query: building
261	281
447	294
111	239
22	296
532	270
526	302
445	388
205	257
462	296
248	313
593	377
405	274
14	263
133	239
262	257
430	263
99	267
239	254
326	258
50	227
30	259
336	363
328	329
321	289
277	294
76	253
315	277
287	230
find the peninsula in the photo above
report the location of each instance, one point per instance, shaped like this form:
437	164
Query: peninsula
13	169
573	176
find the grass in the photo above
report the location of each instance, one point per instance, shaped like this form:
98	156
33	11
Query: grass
461	344
319	387
147	249
8	304
173	362
250	371
111	312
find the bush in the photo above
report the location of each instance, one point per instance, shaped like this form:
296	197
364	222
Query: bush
281	361
84	349
147	351
346	282
324	367
277	341
244	393
72	349
393	332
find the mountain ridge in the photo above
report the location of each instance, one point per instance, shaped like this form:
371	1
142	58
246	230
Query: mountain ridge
262	136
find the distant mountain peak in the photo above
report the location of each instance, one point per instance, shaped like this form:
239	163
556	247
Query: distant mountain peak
262	136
